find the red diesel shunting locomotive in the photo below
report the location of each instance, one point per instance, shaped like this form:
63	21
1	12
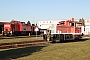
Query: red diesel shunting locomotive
18	28
65	30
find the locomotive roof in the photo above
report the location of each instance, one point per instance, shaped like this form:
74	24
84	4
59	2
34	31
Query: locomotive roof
75	22
2	23
70	21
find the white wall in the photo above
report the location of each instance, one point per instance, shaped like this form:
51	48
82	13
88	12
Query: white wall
87	27
87	30
45	24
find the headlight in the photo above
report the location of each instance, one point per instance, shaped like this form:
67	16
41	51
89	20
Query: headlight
10	31
7	32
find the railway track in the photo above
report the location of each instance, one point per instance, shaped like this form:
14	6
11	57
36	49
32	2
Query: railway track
22	44
11	37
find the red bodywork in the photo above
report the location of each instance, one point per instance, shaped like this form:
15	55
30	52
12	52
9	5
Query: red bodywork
20	28
7	27
16	26
69	26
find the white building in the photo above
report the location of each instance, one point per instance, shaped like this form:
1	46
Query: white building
87	27
44	24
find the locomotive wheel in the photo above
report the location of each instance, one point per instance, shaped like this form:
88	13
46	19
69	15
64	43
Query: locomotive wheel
52	39
61	38
76	39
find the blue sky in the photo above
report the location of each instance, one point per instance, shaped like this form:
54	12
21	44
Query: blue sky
35	10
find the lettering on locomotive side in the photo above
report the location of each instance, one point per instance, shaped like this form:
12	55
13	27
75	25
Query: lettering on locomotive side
7	25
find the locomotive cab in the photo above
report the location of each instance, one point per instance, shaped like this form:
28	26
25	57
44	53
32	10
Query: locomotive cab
7	29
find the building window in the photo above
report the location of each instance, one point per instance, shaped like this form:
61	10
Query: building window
43	22
87	20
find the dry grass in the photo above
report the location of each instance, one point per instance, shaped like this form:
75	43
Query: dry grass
79	50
